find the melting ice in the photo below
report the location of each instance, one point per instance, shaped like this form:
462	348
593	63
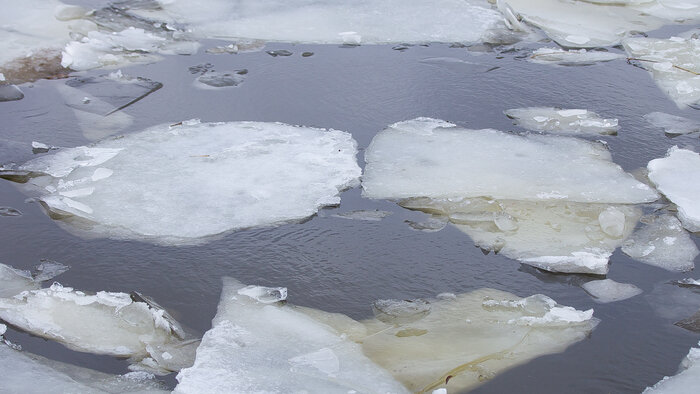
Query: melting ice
562	121
571	57
686	381
672	124
677	176
607	290
174	184
662	242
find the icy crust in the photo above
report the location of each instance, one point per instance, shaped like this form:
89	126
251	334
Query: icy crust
673	63
269	347
28	373
677	176
664	243
558	236
686	381
355	22
104	323
580	57
176	184
433	158
562	121
672	124
607	290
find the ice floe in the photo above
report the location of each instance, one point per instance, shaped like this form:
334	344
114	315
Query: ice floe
672	124
686	381
215	80
179	183
662	242
689	282
362	21
256	346
14	281
607	290
580	57
366	215
677	176
10	93
562	121
9	211
253	346
673	63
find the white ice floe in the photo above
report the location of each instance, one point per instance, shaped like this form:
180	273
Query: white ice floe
433	158
273	348
686	381
677	176
562	121
179	183
664	243
365	21
571	57
31	374
607	290
672	124
689	282
673	63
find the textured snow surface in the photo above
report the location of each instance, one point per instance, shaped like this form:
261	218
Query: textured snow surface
673	63
677	176
571	57
662	242
353	22
176	184
274	348
686	381
562	121
607	290
672	124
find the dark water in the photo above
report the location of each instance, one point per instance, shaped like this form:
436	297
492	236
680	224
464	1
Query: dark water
343	265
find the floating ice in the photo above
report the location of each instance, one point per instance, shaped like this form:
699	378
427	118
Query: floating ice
10	93
673	64
14	281
177	184
372	22
559	236
562	121
433	158
432	224
572	57
9	211
370	216
672	124
677	176
689	282
273	348
686	381
664	243
215	79
607	290
240	46
28	373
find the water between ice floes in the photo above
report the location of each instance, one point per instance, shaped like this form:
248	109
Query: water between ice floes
343	265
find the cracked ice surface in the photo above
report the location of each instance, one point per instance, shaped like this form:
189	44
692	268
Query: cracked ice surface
354	22
181	183
677	176
686	381
562	121
673	63
664	243
258	346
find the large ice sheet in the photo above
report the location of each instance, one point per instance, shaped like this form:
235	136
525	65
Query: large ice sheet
664	243
259	345
562	121
673	63
336	22
432	158
686	381
677	176
177	184
27	373
558	236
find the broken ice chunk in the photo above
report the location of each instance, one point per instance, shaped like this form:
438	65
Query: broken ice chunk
269	173
687	380
607	290
431	224
369	215
220	80
38	147
400	311
9	211
14	281
433	158
254	346
677	176
10	93
672	63
571	57
664	243
116	89
279	52
265	295
689	282
691	323
562	121
673	125
350	38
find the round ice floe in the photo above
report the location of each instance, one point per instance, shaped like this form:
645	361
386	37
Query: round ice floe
191	180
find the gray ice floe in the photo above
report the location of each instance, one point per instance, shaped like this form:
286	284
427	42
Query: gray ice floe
686	381
10	93
607	290
672	124
662	242
572	57
677	176
366	215
227	176
562	121
217	80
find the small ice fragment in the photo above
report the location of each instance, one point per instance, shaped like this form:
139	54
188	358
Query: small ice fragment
400	311
366	215
48	270
221	80
350	38
101	173
672	124
431	224
38	147
571	57
279	52
664	243
689	282
10	93
607	290
265	295
562	121
9	211
612	222
677	176
2	77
